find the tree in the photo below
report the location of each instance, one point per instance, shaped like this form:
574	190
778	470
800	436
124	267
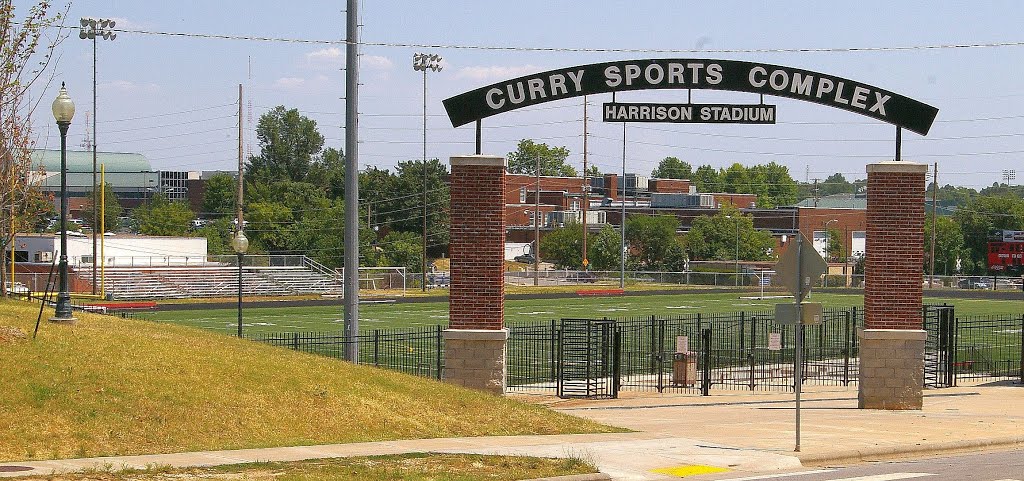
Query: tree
719	237
949	245
672	168
707	179
773	185
652	240
982	215
552	160
564	246
289	145
404	210
26	53
401	249
220	195
218	234
161	217
270	226
835	184
112	209
736	179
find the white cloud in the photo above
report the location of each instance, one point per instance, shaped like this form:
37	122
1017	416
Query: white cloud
325	57
301	84
289	83
376	62
495	72
124	86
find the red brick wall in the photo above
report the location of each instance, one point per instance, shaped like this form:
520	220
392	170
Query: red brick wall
670	186
477	296
895	246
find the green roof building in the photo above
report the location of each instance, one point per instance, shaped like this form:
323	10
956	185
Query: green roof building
130	175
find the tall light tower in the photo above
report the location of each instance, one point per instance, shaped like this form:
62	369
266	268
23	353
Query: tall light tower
421	62
93	28
63	111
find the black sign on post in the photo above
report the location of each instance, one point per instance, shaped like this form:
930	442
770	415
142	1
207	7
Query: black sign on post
681	73
689	113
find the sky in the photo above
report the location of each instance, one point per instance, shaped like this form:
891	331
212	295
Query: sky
173	98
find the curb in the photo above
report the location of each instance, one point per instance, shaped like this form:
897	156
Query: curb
575	477
882	452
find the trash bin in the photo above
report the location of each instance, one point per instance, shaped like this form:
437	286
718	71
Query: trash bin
684	369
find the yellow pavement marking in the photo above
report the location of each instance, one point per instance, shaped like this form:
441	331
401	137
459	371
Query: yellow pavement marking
689	470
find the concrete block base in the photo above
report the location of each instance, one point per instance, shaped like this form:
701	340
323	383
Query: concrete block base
891	369
475	358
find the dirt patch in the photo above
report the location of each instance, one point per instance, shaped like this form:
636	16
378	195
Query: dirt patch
10	334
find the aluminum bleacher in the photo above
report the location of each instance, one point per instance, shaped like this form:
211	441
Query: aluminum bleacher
210	280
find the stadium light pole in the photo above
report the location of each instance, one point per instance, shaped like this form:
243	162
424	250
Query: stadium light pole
63	111
241	244
422	62
92	28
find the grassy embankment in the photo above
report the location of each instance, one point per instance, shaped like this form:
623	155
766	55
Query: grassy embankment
108	386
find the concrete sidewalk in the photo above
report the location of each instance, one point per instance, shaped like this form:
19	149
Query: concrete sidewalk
744	432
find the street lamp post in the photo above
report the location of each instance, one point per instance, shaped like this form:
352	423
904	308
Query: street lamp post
241	244
63	112
91	29
422	62
824	282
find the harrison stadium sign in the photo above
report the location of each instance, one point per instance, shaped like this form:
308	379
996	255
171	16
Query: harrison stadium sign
690	113
710	74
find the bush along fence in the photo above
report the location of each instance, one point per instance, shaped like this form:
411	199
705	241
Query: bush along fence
693	353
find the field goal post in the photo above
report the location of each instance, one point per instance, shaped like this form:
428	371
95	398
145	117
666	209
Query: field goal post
382	281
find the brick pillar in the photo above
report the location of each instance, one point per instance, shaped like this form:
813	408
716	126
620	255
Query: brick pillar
475	339
892	342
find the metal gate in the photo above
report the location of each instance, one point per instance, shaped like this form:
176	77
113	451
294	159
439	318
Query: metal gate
940	346
588	352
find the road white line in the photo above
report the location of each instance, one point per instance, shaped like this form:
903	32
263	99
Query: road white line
781	475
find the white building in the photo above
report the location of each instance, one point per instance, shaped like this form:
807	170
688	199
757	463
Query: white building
119	250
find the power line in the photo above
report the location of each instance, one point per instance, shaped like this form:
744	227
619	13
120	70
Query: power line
254	38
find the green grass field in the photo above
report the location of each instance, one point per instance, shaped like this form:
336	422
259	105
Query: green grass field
397	315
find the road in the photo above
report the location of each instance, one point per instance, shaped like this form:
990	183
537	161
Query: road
992	466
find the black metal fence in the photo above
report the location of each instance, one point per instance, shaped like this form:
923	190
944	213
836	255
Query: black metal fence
417	351
745	350
692	353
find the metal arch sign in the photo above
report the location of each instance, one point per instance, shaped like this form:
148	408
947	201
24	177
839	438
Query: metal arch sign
708	74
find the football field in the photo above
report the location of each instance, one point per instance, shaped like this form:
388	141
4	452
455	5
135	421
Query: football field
421	314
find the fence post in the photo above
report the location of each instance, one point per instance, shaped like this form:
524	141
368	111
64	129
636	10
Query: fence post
439	342
846	349
752	355
1022	348
553	350
617	361
742	333
295	340
376	347
655	354
661	354
705	382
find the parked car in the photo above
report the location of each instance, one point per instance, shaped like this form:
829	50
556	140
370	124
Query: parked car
525	259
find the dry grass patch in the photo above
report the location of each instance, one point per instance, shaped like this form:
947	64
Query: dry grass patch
110	386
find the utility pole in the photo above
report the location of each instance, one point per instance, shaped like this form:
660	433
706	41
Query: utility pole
92	28
241	176
622	200
351	280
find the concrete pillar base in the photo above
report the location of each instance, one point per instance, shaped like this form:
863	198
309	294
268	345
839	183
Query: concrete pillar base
475	358
891	369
